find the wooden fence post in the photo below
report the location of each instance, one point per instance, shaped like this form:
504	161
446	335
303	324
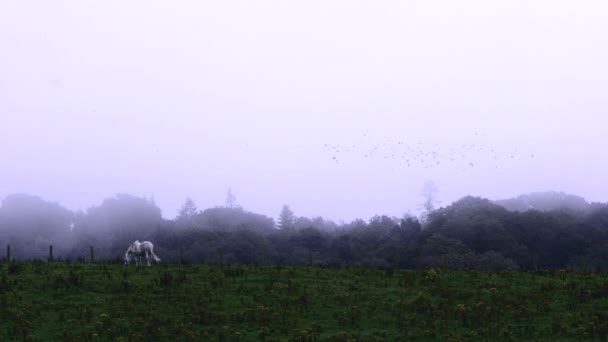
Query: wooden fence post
8	252
92	255
50	253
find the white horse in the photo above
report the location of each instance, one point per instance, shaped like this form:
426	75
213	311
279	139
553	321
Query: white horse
139	249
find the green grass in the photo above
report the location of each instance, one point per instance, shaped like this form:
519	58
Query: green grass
76	302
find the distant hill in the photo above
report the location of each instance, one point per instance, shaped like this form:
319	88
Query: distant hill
545	201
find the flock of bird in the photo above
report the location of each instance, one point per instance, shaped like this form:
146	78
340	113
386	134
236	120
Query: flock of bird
419	154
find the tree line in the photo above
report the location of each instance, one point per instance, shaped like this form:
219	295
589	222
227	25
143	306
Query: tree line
547	230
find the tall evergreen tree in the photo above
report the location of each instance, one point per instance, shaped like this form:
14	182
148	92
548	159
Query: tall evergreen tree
231	200
187	211
286	218
429	193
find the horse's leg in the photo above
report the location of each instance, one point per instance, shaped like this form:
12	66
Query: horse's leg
148	258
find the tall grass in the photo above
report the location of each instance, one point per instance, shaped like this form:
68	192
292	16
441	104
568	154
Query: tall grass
97	301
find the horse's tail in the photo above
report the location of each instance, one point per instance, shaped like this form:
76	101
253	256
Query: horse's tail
157	259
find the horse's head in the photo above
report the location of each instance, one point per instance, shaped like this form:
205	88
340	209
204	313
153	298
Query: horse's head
127	259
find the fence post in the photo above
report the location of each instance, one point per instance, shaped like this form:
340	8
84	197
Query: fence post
50	253
8	252
92	255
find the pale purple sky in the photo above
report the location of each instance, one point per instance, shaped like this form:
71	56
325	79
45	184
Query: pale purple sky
177	99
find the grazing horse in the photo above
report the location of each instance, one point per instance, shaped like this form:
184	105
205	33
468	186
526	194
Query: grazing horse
139	249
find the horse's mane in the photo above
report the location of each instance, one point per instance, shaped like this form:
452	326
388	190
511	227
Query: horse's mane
132	247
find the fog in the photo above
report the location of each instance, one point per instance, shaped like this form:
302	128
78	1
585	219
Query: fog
314	104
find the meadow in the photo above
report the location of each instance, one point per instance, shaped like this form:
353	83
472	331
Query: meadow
42	301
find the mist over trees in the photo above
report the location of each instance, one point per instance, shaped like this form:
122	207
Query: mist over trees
546	201
540	230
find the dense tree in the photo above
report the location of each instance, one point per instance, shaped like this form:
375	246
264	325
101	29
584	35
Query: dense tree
31	215
230	219
472	232
248	247
120	220
310	240
342	250
30	224
546	201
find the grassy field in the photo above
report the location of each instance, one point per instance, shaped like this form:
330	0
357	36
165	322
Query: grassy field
77	302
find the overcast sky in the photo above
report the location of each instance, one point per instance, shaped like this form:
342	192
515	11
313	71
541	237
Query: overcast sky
341	109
